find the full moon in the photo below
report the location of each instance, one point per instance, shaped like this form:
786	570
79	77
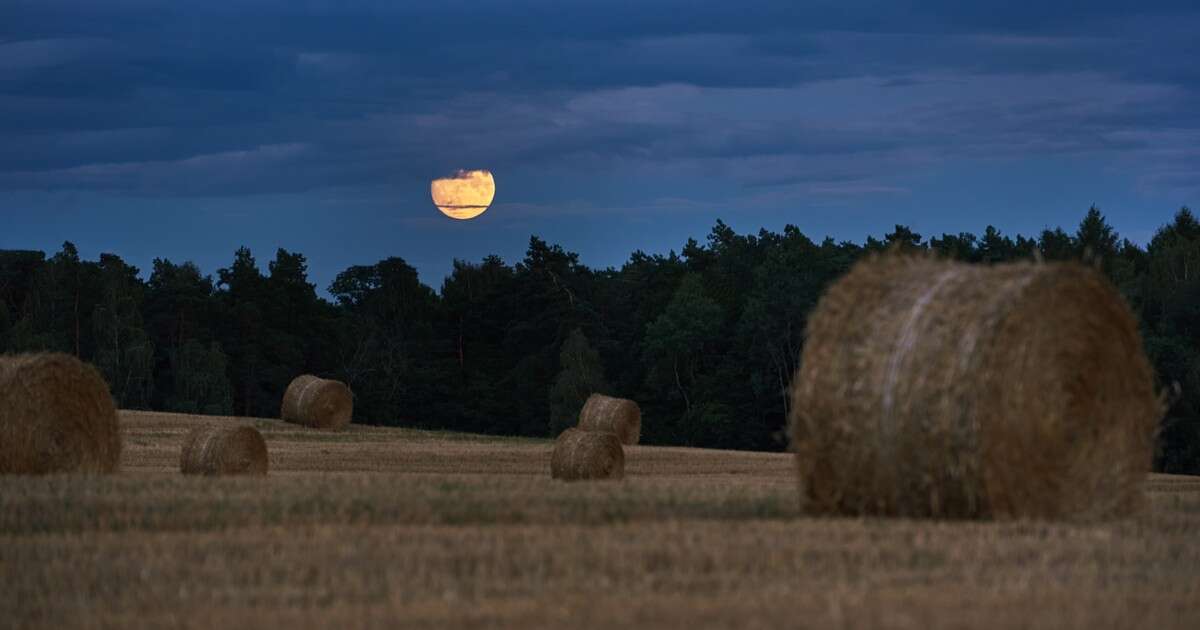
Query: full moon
463	195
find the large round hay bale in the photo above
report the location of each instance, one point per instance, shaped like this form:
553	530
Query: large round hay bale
215	450
317	402
56	415
580	454
940	389
612	415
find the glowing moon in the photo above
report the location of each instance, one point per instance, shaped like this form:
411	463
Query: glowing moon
464	195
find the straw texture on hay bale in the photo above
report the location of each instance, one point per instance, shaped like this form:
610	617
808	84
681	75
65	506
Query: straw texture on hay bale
580	454
56	415
214	450
612	415
317	402
939	389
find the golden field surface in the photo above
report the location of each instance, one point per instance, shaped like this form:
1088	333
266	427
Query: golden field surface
374	527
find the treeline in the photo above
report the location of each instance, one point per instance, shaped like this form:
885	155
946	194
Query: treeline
705	339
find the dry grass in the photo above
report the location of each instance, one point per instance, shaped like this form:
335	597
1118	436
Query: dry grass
384	528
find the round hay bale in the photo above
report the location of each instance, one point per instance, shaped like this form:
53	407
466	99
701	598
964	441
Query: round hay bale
939	389
56	415
612	415
317	402
580	454
213	450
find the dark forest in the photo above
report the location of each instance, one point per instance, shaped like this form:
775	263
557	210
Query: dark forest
705	339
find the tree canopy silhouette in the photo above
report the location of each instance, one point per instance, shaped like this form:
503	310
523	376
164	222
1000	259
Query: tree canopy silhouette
706	339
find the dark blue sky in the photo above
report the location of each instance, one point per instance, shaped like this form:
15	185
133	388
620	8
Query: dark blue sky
178	130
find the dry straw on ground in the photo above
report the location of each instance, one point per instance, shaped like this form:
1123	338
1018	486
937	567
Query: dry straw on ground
214	450
317	402
932	388
56	415
613	415
580	454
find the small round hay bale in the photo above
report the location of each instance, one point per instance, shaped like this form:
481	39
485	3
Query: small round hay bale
939	389
612	415
580	454
317	402
213	450
56	415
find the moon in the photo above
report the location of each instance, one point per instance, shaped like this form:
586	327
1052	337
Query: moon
463	195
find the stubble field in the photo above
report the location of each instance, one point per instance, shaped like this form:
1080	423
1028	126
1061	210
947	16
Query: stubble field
374	527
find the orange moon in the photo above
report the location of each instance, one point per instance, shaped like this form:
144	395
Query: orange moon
463	195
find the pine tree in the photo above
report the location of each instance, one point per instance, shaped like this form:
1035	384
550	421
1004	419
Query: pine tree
1096	241
580	376
124	352
200	384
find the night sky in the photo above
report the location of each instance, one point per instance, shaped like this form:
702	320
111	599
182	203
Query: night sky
176	130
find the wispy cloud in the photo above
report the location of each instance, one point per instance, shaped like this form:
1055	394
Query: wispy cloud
330	97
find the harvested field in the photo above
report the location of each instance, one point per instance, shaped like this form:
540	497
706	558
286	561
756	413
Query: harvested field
373	527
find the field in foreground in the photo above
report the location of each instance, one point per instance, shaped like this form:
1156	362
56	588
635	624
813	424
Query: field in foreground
379	527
